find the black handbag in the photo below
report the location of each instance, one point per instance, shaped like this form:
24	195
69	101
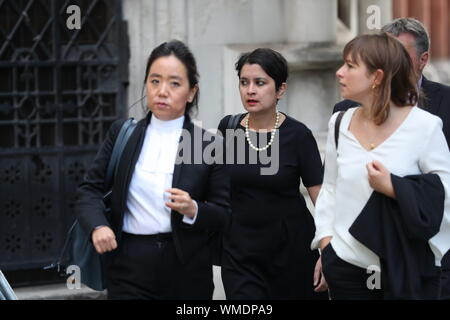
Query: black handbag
78	249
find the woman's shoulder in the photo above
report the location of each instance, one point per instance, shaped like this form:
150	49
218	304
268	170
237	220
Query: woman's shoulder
224	123
346	113
422	125
116	126
294	123
299	127
423	117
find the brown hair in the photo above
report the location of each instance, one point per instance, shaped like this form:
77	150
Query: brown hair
383	51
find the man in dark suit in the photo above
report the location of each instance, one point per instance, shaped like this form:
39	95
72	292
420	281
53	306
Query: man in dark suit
435	97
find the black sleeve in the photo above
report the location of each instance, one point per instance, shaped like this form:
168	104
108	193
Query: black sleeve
421	200
214	212
89	207
214	208
311	169
223	125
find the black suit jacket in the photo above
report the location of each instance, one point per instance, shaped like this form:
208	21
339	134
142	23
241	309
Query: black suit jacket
206	183
437	102
398	232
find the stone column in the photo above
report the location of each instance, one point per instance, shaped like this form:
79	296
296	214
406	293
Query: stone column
313	60
139	15
312	21
150	22
171	20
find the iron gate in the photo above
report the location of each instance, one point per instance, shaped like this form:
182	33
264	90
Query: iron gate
60	90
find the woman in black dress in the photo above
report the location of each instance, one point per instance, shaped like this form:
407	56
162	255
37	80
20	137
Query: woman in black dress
266	246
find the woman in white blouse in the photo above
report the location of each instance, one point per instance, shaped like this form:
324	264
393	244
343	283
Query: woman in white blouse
156	240
386	134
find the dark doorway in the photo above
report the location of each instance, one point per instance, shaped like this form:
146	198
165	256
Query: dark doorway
60	90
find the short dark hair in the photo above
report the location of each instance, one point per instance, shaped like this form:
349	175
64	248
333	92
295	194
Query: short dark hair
383	51
271	61
182	52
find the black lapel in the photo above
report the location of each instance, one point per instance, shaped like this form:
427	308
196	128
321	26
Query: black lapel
187	125
176	218
432	97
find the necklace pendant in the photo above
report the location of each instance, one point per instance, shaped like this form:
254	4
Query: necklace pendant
372	146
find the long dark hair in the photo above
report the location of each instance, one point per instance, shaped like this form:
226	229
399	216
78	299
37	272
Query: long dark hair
182	52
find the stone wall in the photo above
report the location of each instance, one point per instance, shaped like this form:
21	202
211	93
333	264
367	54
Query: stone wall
218	31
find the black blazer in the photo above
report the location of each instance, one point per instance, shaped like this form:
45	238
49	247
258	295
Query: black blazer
399	231
437	102
206	183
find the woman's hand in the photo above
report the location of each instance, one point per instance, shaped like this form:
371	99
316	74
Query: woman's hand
104	240
322	285
380	178
324	242
182	202
318	274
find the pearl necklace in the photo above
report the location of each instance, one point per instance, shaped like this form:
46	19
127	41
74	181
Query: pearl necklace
272	135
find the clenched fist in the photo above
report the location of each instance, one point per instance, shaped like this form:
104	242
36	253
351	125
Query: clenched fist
104	240
380	178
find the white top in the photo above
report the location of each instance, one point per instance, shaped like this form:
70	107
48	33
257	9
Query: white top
417	146
146	212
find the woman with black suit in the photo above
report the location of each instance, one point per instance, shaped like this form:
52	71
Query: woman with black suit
155	243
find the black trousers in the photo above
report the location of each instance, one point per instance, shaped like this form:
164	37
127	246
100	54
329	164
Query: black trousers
255	280
147	268
445	277
346	281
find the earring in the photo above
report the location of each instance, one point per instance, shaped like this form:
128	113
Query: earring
374	86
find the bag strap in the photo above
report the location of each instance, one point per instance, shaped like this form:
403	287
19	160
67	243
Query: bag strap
121	141
233	121
119	145
337	125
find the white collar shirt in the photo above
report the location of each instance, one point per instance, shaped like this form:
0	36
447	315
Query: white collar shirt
146	212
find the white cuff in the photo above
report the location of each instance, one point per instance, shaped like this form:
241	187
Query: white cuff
189	220
322	233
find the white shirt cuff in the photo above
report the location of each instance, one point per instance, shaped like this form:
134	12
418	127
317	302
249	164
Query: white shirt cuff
320	234
191	221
